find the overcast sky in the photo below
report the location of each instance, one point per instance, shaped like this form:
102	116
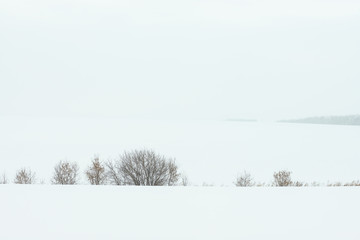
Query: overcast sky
170	59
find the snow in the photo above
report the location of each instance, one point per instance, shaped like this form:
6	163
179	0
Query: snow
112	212
210	151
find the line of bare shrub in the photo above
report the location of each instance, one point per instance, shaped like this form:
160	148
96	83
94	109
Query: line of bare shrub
138	167
283	179
146	168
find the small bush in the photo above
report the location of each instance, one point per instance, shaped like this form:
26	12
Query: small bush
299	184
335	184
95	173
261	184
3	179
282	179
25	176
353	184
205	184
349	184
143	167
184	180
244	180
65	173
315	184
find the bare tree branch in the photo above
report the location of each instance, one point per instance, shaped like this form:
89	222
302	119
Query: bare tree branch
96	172
282	179
25	176
65	173
244	180
143	167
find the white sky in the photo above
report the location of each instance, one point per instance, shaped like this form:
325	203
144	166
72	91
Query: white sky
170	59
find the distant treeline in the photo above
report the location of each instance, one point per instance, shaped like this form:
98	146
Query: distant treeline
335	120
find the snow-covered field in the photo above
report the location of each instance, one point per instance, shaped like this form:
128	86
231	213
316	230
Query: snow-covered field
208	151
43	212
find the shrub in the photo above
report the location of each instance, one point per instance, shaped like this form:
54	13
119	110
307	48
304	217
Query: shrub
348	184
143	167
96	172
315	184
3	179
299	184
244	180
25	176
65	173
335	184
353	184
184	180
282	179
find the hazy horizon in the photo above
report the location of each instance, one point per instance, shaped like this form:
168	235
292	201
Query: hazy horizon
161	94
189	59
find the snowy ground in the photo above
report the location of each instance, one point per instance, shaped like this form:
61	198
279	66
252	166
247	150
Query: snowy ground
208	151
213	152
43	212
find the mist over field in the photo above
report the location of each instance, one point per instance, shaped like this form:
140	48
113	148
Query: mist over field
82	78
201	119
213	152
267	60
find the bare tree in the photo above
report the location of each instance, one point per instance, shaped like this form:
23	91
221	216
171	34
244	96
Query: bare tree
282	179
65	173
3	179
25	176
96	172
143	167
244	180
